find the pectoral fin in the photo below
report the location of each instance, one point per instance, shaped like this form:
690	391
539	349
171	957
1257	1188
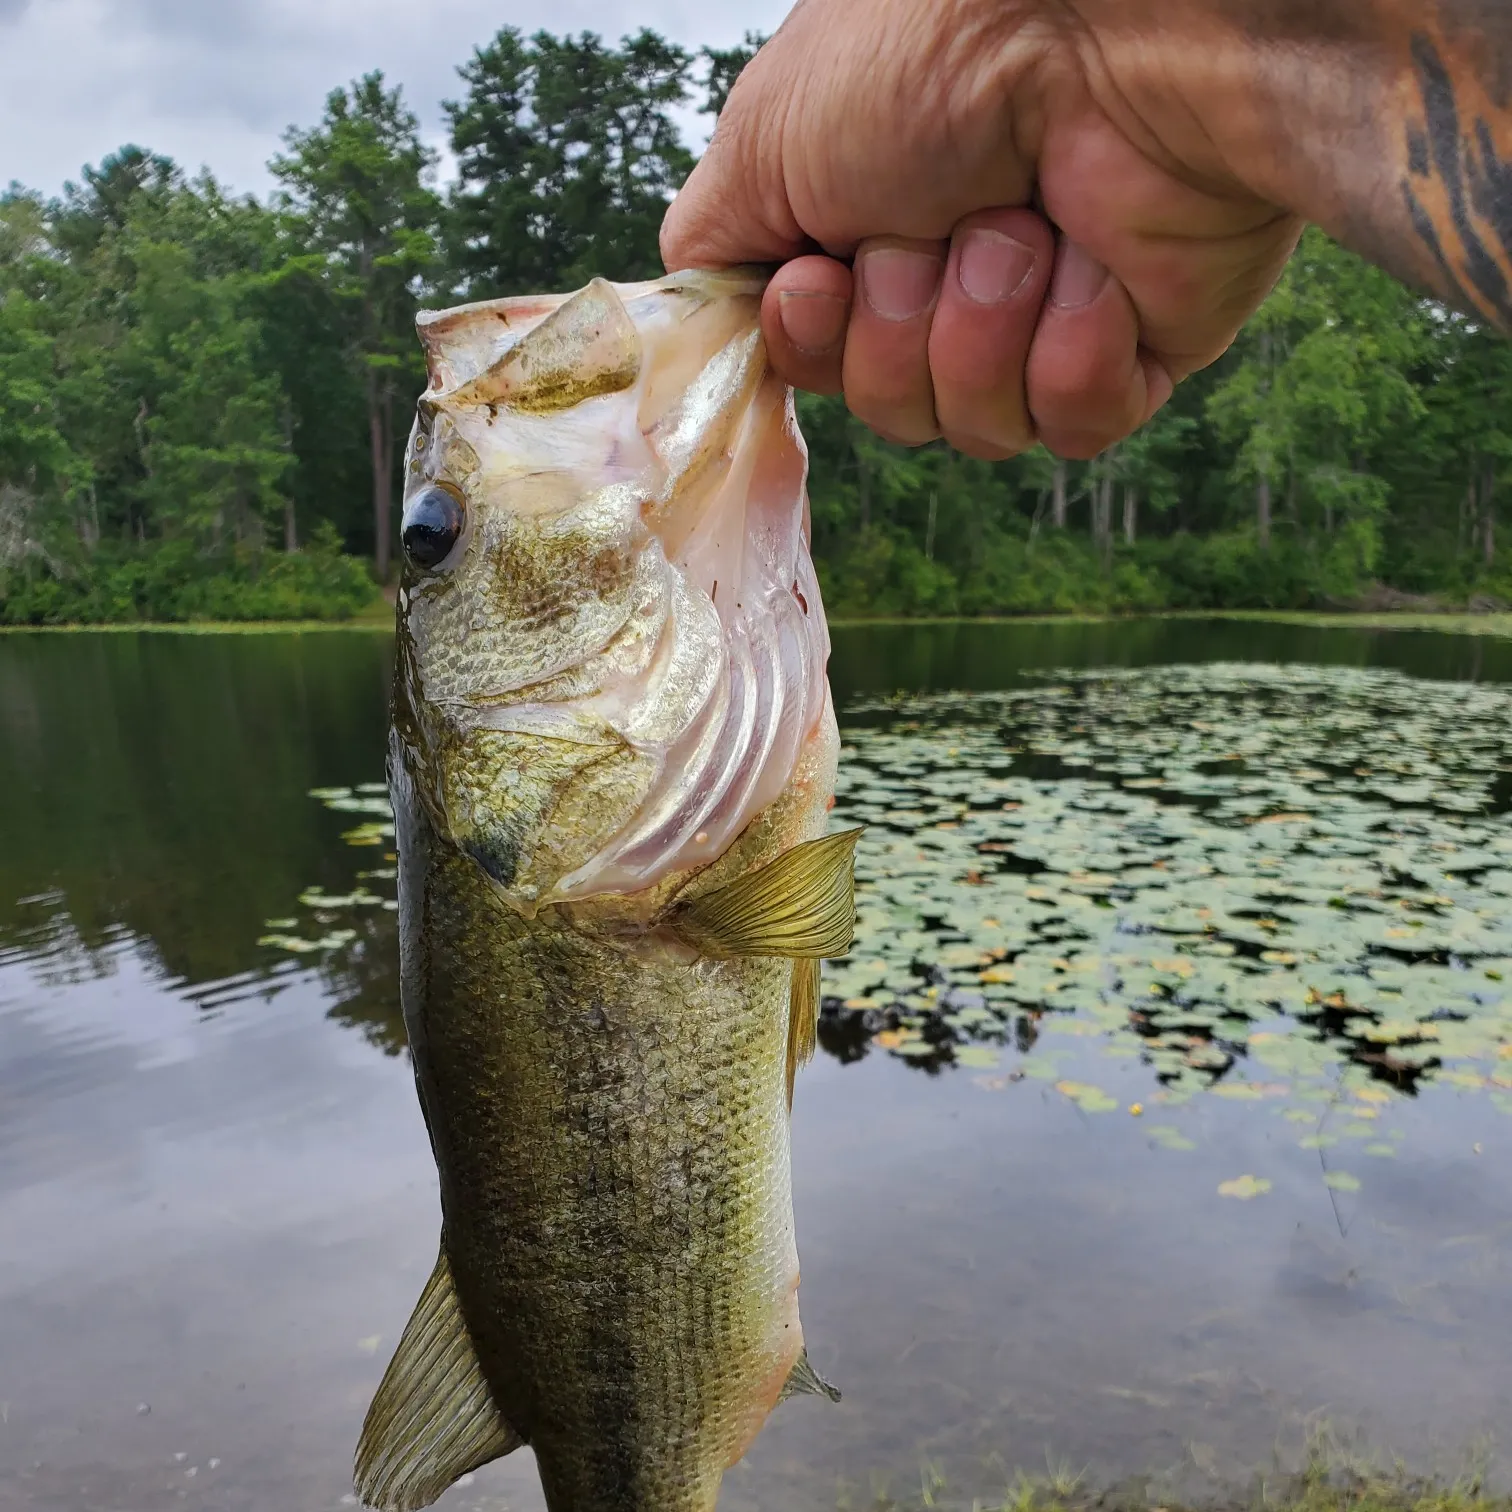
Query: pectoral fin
801	906
806	1381
803	1020
434	1417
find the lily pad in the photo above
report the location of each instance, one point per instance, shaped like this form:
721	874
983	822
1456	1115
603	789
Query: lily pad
1088	1098
977	1058
1285	886
1245	1188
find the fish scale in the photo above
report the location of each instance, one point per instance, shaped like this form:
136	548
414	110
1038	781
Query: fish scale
611	1129
614	888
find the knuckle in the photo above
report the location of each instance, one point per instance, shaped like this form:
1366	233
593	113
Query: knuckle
1086	404
900	430
888	400
806	373
985	450
1075	381
1078	446
993	426
908	418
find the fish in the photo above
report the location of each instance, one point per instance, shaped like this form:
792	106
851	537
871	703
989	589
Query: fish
612	760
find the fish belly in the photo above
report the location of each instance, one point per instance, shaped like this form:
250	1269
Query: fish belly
611	1128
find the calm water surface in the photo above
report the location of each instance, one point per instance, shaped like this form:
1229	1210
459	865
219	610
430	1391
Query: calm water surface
217	1203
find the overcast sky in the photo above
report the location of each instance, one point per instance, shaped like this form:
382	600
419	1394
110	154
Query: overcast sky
215	82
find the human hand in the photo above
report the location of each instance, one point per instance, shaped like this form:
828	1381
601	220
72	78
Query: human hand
912	137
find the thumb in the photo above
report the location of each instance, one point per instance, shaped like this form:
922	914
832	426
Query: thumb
734	207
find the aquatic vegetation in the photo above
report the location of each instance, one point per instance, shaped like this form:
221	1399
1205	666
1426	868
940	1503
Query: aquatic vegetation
1328	1473
1244	1188
313	933
1264	881
1288	888
1060	1492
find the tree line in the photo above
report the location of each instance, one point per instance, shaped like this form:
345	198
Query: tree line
203	395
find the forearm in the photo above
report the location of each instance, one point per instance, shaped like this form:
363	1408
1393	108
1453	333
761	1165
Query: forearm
1388	122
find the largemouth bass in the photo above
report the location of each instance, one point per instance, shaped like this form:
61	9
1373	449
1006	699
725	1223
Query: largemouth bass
612	758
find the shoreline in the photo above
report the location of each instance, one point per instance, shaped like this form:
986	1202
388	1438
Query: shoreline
207	627
1450	622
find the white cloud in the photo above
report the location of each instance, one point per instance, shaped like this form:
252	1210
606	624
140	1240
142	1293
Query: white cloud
215	82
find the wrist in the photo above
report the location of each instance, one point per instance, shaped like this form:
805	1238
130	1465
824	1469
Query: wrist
1244	100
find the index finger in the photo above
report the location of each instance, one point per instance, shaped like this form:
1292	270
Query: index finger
726	213
804	317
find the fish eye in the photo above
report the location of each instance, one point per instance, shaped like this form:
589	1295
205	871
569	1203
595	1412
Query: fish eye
432	523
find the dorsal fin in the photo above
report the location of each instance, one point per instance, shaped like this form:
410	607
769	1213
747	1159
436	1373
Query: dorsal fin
587	346
803	1020
434	1417
800	906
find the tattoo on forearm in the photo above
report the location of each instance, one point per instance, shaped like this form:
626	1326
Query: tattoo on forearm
1458	186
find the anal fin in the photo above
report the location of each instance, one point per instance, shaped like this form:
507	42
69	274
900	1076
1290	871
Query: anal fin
806	1381
803	1020
800	906
434	1417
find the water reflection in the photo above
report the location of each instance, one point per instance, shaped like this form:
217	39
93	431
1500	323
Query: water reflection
157	781
976	657
217	1200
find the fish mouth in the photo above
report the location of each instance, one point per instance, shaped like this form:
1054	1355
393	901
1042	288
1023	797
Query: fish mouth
643	744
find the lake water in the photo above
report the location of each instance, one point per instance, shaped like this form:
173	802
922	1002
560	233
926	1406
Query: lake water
1163	1114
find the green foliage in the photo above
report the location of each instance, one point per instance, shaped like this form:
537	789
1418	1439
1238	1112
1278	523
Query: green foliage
1349	447
212	452
209	378
33	451
360	207
723	65
175	581
567	157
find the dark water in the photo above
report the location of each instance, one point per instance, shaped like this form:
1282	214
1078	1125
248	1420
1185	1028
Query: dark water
217	1204
966	656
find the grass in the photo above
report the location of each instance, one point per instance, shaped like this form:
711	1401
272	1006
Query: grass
1333	1478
